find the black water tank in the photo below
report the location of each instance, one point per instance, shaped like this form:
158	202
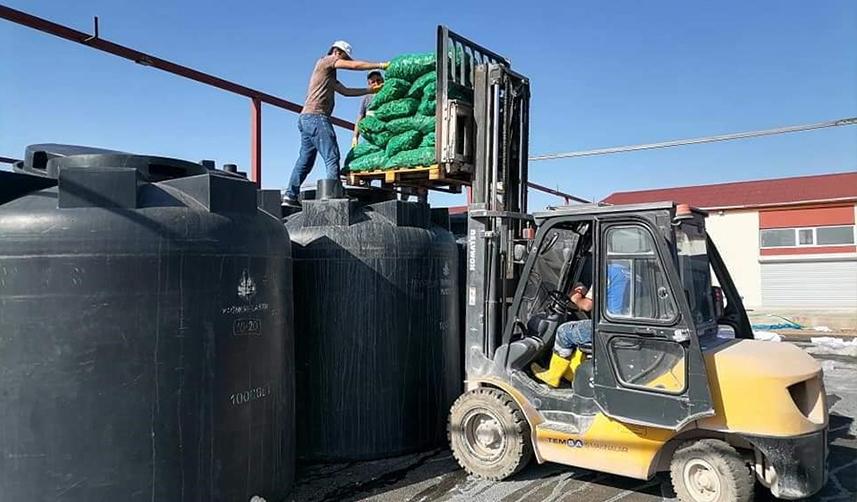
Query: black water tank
377	315
146	347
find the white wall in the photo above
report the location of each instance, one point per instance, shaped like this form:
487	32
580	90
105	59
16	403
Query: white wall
736	234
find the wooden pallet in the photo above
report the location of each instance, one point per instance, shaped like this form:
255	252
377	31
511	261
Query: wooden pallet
431	177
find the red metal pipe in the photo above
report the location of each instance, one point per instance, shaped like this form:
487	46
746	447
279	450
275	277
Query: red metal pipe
145	59
256	141
563	195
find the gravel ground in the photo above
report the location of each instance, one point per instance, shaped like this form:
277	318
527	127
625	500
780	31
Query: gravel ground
435	476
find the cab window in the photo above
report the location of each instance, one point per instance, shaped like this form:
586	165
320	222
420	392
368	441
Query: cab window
550	268
635	284
649	363
695	272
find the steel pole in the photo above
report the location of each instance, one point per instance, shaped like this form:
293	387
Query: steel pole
256	141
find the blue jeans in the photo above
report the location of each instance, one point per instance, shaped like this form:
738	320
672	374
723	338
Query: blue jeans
317	136
571	334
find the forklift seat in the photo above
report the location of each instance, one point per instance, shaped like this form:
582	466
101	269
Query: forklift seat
520	353
539	337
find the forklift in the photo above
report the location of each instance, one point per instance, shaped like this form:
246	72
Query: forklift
673	380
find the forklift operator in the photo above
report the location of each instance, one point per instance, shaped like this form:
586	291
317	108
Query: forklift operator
573	334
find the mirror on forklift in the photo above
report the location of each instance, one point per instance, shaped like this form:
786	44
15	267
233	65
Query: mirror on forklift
719	304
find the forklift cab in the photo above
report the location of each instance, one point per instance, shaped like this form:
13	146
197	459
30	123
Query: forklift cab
664	385
645	363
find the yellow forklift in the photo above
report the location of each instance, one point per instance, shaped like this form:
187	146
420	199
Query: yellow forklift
672	381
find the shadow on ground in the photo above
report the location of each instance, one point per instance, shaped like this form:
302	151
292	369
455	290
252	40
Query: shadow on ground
434	476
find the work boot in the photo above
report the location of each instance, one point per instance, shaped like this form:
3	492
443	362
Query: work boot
576	360
290	202
553	374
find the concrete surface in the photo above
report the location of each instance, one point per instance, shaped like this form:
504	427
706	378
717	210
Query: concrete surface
435	476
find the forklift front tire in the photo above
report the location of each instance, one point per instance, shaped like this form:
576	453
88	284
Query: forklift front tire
710	470
489	435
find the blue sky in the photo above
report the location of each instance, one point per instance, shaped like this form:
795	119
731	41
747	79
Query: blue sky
603	74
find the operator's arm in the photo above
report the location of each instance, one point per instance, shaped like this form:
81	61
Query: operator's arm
580	298
349	64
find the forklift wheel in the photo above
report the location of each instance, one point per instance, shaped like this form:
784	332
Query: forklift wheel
489	435
710	470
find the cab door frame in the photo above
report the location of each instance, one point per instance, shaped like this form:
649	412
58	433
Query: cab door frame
632	404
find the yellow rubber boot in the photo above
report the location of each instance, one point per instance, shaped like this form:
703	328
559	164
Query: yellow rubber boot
576	360
553	374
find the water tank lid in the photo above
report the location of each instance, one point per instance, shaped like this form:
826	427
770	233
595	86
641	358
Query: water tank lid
37	156
150	168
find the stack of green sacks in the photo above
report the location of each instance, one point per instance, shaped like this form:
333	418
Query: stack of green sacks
399	131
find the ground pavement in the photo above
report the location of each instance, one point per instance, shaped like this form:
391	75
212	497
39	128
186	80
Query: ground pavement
435	476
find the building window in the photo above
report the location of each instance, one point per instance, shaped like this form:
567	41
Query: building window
806	237
778	237
827	236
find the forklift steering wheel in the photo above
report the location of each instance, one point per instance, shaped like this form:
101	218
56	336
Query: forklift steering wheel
559	303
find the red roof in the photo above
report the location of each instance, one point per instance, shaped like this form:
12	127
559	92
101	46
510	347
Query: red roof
782	191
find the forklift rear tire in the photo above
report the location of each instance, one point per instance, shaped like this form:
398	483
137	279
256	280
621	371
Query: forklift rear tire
489	435
710	470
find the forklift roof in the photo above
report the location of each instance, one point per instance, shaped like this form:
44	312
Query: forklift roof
601	208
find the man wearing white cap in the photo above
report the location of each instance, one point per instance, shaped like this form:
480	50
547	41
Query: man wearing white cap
317	134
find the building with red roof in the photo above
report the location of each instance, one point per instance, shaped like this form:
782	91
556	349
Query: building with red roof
788	242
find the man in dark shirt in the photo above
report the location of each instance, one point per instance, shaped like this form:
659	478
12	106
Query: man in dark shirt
314	124
375	80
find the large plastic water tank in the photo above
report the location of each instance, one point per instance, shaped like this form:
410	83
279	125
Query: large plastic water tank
376	314
146	347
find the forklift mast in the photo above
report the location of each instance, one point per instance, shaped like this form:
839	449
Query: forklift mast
490	141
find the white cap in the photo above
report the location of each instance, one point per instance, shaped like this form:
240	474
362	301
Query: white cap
343	46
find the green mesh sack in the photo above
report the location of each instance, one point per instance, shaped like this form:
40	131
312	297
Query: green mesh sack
361	150
393	89
427	107
371	124
397	109
423	156
378	139
404	124
430	90
428	141
416	90
405	141
368	162
421	123
425	124
410	67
